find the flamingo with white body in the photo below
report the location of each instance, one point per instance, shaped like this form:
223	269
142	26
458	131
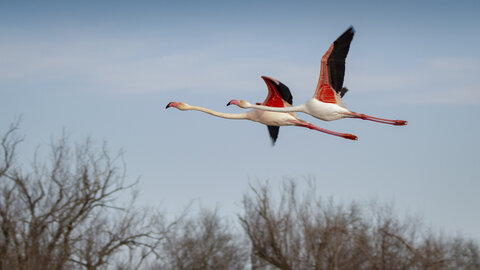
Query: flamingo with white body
326	104
278	96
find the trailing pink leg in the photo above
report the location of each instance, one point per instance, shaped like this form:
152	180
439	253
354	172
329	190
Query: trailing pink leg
311	126
379	120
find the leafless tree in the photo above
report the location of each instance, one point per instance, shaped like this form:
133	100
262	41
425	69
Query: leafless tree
73	210
295	234
306	232
443	252
65	212
204	242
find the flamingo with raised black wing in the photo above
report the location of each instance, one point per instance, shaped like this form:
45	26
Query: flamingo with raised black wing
278	96
326	104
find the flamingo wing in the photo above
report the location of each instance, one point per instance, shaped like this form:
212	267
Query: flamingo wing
278	93
278	96
332	71
273	131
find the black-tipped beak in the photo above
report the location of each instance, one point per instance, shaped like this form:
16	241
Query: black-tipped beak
229	103
168	105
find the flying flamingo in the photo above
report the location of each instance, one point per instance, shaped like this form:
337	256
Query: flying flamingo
326	104
278	96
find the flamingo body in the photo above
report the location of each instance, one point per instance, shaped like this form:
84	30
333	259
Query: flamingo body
326	103
263	117
326	111
278	96
271	118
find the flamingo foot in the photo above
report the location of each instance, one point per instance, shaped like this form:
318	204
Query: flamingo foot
350	137
400	123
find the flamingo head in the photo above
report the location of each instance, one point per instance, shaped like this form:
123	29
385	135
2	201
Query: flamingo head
179	105
240	103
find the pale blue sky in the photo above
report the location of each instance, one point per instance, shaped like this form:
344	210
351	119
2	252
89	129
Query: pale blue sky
108	69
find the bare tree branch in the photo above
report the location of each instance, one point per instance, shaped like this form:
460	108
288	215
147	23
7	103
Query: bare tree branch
64	213
306	232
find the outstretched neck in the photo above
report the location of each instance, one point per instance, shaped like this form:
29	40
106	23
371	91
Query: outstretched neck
219	114
299	108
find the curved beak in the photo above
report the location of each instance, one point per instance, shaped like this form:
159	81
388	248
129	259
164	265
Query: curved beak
171	104
233	102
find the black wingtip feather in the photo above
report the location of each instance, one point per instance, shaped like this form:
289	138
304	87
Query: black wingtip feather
347	36
336	61
343	91
273	131
285	93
